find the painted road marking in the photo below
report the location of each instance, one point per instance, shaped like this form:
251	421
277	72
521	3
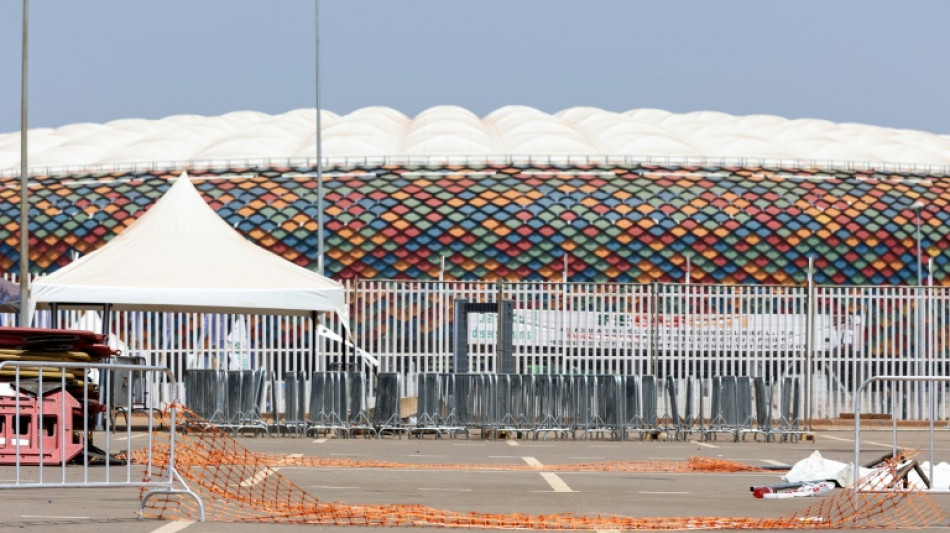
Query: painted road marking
773	462
706	444
139	436
553	480
174	526
54	516
512	443
871	442
258	477
319	441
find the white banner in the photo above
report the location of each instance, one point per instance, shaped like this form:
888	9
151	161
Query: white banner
584	329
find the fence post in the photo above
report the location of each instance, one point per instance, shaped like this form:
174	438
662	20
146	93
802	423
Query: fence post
499	328
809	343
654	324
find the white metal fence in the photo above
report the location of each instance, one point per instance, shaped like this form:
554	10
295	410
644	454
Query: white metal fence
833	337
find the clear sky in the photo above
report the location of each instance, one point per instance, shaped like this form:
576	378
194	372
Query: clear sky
868	61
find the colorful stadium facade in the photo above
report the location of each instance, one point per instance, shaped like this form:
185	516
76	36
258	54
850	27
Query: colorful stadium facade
398	201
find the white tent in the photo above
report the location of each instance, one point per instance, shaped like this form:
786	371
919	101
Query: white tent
181	256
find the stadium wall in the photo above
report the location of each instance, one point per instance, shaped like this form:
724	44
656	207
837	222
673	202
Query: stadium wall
613	222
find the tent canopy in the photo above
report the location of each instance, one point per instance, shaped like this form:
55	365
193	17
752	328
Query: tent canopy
181	256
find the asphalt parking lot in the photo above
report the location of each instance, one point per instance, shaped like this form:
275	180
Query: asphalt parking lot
657	494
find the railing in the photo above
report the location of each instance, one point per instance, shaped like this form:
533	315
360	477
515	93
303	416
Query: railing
834	337
40	429
930	381
493	159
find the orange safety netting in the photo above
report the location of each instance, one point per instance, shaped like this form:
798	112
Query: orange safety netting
237	485
248	458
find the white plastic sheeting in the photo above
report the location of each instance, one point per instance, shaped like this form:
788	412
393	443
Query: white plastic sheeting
455	131
181	256
817	468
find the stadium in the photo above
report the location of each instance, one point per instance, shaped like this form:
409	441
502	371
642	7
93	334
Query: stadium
580	195
638	243
589	273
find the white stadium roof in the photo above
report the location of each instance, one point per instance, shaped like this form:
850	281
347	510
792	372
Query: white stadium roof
451	131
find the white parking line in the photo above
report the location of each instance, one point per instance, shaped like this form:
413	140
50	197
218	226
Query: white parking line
553	480
122	438
512	443
773	462
258	477
832	437
706	444
871	442
174	526
54	516
319	441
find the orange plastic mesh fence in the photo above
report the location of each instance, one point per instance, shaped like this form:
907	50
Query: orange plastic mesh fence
237	485
248	458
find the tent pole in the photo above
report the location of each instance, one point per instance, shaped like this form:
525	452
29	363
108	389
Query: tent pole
106	319
54	316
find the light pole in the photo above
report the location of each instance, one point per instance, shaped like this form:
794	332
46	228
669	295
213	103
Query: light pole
24	180
316	19
917	206
919	341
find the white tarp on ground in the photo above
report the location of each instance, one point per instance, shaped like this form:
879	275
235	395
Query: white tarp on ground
817	468
181	256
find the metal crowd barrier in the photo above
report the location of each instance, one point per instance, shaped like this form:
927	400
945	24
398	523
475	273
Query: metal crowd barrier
437	406
47	424
680	426
606	406
741	405
294	419
789	422
514	405
387	415
228	399
129	391
338	404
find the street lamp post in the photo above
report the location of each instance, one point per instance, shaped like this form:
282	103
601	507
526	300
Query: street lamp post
24	179
316	18
919	341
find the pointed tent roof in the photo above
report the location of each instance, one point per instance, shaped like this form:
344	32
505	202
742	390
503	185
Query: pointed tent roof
180	255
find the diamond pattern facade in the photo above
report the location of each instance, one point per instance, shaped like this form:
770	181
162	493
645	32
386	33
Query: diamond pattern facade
612	223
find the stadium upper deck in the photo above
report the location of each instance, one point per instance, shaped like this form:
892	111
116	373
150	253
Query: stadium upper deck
626	197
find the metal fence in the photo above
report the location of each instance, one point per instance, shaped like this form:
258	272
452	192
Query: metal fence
49	410
833	337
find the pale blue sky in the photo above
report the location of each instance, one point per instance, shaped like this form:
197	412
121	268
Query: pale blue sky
874	62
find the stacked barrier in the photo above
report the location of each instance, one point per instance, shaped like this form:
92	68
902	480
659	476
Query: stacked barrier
338	405
229	399
387	415
538	406
437	407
